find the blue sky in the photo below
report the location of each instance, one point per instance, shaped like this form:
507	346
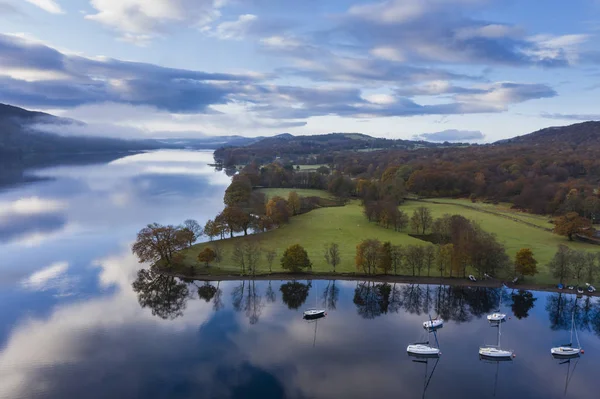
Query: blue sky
476	70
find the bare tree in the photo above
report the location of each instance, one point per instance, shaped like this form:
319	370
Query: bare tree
397	257
218	248
332	254
270	254
237	256
421	219
429	257
251	251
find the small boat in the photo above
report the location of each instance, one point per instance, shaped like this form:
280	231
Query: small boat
567	350
312	314
496	317
571	287
422	349
433	324
579	290
491	352
495	352
560	286
472	278
591	288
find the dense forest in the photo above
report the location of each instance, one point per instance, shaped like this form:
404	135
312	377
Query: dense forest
553	171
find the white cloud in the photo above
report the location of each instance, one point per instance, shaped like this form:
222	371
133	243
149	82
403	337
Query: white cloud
31	205
557	47
43	279
381	99
50	6
491	31
236	30
140	20
388	53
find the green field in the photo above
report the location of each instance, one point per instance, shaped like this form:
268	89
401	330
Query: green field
504	209
303	192
348	226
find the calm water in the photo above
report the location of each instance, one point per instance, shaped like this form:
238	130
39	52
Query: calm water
71	325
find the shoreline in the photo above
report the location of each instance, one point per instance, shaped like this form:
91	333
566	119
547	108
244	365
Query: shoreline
388	278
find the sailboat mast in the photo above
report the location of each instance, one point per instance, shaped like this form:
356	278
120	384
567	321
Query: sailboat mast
572	325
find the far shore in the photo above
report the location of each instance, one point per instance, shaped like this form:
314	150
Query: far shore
388	278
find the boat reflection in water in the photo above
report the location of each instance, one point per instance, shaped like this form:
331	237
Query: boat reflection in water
426	359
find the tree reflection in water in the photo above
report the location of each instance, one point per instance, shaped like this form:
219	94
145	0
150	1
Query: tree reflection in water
522	303
245	296
330	295
294	294
166	296
560	306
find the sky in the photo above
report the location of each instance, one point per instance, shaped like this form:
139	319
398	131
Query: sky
455	70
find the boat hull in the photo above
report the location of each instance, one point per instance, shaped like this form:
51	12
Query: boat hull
433	324
422	350
314	314
565	351
496	317
495	353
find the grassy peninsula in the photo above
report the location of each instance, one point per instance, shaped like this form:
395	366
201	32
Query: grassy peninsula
347	226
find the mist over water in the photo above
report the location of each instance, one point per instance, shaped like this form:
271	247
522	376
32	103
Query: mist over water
74	324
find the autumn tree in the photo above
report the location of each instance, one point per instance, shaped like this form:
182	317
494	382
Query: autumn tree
238	192
236	219
294	203
571	224
193	226
367	255
206	256
159	243
421	219
270	255
277	210
385	261
211	229
560	265
295	258
332	254
525	263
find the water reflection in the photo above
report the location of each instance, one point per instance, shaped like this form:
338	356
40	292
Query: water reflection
166	296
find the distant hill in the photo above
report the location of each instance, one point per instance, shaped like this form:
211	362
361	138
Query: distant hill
311	149
579	134
20	137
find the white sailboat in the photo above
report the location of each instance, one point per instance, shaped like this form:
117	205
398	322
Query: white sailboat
497	316
495	351
424	349
314	313
565	351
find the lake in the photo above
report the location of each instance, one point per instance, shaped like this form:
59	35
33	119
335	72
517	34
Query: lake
72	325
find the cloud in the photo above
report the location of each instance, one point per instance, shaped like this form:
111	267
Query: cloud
142	20
571	117
452	135
50	6
45	278
74	80
237	29
407	34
